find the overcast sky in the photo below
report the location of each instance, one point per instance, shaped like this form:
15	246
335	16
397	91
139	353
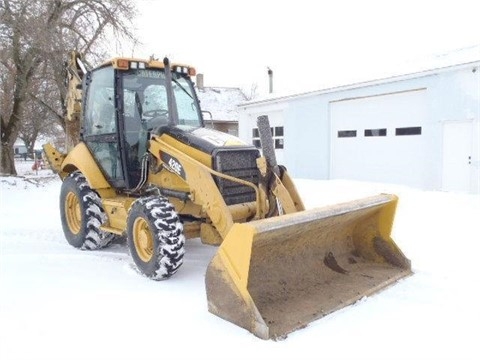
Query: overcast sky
308	44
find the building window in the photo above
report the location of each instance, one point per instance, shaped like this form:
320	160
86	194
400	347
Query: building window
375	132
414	130
347	133
277	134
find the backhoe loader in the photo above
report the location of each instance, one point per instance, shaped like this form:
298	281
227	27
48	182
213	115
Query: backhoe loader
147	169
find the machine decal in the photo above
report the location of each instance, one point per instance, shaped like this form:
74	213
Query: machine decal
173	165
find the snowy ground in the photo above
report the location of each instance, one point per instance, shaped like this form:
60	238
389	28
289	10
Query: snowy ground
57	302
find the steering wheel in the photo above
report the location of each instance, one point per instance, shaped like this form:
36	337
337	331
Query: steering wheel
155	113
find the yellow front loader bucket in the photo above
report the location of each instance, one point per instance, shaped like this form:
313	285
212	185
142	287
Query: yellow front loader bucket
276	275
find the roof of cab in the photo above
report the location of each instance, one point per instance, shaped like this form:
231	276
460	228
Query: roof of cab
149	63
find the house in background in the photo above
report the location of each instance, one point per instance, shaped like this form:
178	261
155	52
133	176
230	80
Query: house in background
419	128
19	149
219	106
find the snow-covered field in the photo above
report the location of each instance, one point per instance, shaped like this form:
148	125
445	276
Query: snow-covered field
57	302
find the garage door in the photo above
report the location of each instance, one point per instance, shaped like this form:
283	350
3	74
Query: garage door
381	139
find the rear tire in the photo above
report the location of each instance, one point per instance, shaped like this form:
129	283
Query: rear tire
155	237
82	214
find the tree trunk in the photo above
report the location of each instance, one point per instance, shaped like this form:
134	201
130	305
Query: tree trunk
10	129
7	160
9	134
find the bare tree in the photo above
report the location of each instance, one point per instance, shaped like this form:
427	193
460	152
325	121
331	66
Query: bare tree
35	37
39	118
252	93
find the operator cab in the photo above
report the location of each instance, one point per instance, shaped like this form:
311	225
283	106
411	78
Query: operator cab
125	101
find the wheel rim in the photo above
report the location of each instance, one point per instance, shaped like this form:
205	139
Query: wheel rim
73	212
142	238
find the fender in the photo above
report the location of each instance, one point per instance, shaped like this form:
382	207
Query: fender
80	158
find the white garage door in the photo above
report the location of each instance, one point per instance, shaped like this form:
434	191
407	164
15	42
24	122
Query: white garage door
381	139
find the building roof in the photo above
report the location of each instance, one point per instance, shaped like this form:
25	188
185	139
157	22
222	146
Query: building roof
451	61
221	102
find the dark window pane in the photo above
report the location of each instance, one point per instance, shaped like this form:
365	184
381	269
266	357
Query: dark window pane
278	143
255	133
415	130
347	133
257	144
279	131
376	132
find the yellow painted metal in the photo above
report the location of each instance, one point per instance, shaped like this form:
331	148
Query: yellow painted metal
192	229
226	282
199	177
209	235
275	275
143	239
283	196
55	159
243	211
187	208
73	212
112	230
80	158
74	93
289	187
116	209
168	180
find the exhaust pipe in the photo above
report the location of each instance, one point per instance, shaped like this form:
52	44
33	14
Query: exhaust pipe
270	80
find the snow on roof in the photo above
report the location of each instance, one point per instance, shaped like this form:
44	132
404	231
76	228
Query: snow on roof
221	102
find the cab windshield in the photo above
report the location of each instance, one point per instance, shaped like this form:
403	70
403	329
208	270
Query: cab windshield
145	99
145	111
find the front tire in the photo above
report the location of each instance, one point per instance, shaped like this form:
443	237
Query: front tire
155	237
82	214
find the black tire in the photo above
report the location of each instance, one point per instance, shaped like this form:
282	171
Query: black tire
82	214
155	237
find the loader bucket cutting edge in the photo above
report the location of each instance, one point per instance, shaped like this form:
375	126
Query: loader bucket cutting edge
276	275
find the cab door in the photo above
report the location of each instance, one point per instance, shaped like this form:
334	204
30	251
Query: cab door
100	128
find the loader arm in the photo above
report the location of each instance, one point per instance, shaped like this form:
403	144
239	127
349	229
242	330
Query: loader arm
283	195
285	191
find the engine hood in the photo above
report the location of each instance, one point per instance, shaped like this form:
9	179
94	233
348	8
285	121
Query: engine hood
206	140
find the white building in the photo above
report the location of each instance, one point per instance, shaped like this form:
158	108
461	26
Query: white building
420	129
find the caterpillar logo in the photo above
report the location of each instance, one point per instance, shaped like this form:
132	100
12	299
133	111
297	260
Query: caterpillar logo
173	165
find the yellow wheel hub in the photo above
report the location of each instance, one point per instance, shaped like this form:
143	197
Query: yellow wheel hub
73	212
143	240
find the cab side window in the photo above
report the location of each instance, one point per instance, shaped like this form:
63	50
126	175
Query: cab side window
100	129
100	107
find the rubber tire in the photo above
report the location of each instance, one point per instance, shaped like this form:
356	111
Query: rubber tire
166	231
91	215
